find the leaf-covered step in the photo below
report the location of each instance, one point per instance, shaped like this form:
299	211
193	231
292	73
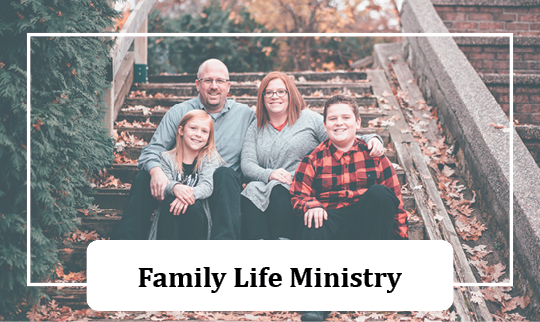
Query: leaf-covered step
146	134
140	114
133	153
112	198
251	101
251	77
242	89
72	297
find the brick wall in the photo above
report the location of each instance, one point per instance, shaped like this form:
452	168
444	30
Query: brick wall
522	21
495	59
490	56
526	100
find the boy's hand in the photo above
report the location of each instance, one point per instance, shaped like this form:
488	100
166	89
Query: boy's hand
178	207
184	193
281	175
376	147
317	214
158	182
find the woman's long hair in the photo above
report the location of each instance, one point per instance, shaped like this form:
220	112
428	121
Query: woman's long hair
296	101
208	151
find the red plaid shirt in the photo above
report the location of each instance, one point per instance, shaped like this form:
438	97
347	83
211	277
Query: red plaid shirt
330	178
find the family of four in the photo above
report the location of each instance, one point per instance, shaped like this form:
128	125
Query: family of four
309	176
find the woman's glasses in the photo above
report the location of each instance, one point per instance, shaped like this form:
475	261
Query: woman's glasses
279	93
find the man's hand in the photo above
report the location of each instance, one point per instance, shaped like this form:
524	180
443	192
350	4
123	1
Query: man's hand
317	214
281	175
177	207
184	193
376	147
158	182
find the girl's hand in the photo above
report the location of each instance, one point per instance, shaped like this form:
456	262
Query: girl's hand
281	175
317	214
184	193
178	207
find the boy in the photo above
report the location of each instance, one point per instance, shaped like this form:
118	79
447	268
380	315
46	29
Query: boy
342	192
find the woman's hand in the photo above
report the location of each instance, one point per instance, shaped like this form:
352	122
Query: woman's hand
177	207
376	147
281	175
317	214
184	193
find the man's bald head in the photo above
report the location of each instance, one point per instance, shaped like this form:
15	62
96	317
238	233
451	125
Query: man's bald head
213	65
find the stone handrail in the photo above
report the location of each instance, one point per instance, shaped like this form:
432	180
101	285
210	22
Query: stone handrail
467	108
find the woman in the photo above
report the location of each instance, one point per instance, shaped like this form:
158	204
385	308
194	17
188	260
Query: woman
273	147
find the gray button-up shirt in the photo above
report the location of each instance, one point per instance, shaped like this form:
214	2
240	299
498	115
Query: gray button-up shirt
230	127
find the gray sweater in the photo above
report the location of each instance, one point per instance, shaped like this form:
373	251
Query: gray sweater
266	149
202	190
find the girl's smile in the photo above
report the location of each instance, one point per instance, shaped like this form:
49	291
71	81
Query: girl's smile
195	134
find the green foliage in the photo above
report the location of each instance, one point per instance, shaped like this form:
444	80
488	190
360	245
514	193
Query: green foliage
68	140
325	53
240	54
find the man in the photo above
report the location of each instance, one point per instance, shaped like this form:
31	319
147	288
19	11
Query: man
231	121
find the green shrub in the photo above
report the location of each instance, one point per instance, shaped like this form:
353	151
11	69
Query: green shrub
68	138
185	54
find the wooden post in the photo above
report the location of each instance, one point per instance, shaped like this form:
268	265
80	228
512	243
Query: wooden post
141	54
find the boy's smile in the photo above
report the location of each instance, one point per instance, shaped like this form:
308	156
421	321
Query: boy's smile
341	126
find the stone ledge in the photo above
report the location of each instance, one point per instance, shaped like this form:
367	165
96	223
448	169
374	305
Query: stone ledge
466	108
519	79
528	132
491	3
497	41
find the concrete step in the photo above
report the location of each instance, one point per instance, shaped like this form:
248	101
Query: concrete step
104	223
146	134
111	198
251	101
133	153
366	114
251	77
243	89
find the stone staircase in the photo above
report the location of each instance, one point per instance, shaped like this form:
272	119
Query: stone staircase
315	87
374	95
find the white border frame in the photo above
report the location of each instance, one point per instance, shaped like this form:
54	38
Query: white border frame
273	35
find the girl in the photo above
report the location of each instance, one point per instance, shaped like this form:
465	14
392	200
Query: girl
184	213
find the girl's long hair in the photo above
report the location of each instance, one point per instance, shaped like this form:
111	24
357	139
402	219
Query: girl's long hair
207	152
296	101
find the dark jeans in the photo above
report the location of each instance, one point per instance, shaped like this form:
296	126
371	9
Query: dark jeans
371	218
277	221
192	225
224	207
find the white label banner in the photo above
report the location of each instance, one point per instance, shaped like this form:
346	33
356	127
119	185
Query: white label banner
269	275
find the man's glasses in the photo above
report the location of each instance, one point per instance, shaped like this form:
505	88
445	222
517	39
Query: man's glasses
209	81
279	93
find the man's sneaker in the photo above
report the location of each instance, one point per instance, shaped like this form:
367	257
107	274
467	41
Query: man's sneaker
315	315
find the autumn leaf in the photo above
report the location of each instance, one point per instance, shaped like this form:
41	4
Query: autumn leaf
447	171
38	125
497	271
497	126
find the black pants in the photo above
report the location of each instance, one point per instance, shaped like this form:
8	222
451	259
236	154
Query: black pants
192	225
224	207
277	221
371	218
